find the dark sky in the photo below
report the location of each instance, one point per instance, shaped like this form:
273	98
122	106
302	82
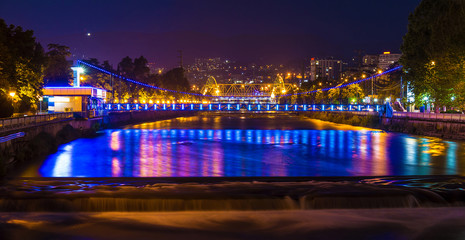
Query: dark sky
249	31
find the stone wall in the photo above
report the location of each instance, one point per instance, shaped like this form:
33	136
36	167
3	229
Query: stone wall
446	129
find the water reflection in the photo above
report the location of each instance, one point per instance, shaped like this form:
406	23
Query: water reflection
147	151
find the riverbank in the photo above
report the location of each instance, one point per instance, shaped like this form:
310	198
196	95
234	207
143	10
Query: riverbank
439	128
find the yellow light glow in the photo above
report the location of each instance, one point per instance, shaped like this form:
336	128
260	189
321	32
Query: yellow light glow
150	101
380	71
158	101
386	53
283	91
12	94
135	101
168	102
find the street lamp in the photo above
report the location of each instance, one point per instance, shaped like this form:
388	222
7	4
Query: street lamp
12	94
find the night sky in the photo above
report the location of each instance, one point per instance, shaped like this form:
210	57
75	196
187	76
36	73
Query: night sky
246	31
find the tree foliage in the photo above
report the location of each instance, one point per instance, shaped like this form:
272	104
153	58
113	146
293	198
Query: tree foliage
22	62
434	51
58	71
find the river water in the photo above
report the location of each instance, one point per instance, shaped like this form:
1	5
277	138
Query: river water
260	145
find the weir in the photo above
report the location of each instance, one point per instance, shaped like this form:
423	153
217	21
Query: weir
227	194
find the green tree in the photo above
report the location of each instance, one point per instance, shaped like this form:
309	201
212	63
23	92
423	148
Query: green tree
22	62
434	51
175	79
141	69
58	71
126	67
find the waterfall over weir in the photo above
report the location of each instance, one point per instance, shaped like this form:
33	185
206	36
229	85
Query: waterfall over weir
143	195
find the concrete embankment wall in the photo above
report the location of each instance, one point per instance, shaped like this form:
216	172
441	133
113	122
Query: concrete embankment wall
446	129
43	139
440	128
116	119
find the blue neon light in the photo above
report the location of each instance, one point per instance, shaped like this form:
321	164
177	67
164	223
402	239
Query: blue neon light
346	84
196	94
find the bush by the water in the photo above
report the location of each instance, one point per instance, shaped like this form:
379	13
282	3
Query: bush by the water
6	106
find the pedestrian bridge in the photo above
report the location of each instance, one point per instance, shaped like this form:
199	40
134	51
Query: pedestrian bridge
243	107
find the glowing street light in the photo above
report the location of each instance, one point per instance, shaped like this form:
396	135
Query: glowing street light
12	94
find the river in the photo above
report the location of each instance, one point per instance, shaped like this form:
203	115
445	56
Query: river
248	145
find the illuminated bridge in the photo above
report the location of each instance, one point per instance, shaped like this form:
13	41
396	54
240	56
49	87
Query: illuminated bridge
247	92
230	97
245	107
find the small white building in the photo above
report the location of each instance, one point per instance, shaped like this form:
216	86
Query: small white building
76	98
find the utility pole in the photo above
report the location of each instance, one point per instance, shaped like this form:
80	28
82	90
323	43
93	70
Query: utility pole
372	96
180	58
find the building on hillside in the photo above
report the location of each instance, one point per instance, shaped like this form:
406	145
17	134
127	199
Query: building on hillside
370	60
328	69
387	59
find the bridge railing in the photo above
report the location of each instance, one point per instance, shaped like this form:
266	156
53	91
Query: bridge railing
243	107
18	122
431	116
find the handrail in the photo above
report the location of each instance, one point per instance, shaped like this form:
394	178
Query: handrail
432	116
17	122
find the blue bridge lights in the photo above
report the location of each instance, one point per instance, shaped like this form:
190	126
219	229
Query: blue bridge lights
243	107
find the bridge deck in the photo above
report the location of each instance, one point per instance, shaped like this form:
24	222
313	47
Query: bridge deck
242	107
